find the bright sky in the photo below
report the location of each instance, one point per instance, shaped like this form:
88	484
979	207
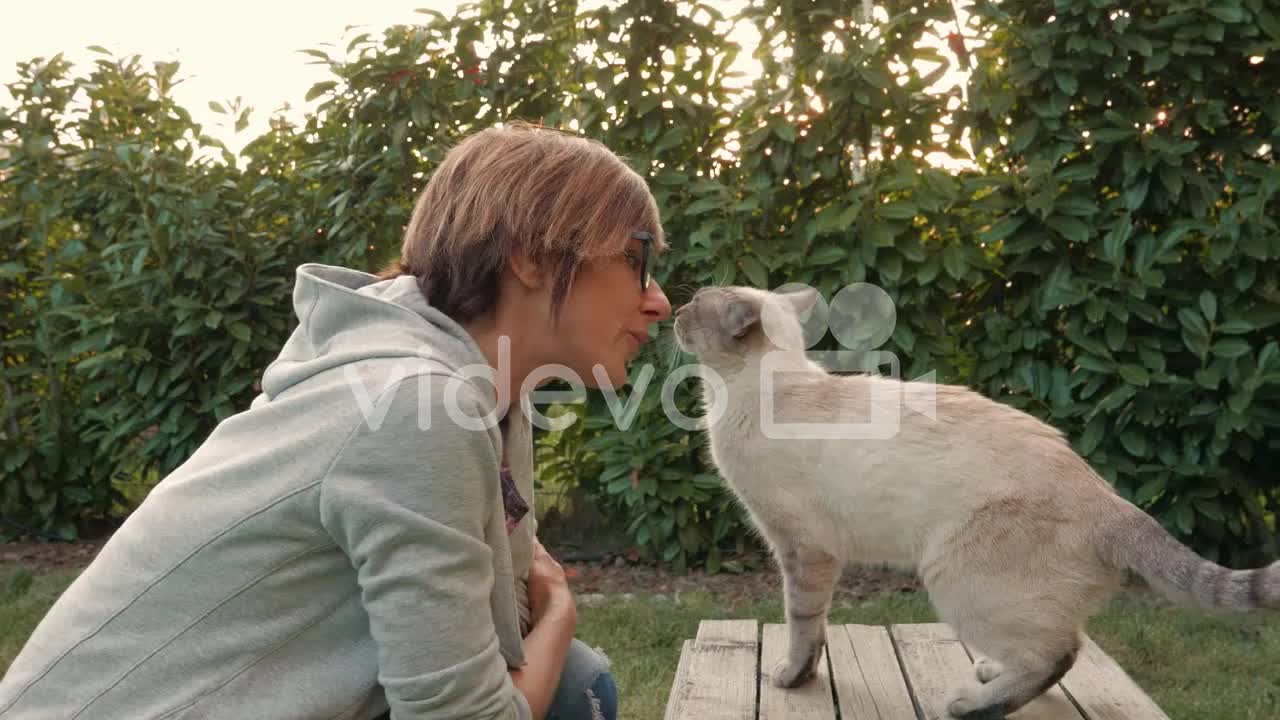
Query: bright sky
249	48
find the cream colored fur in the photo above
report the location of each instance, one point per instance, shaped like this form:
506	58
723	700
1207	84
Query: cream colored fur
1015	537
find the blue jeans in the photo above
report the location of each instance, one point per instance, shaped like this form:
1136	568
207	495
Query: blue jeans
587	690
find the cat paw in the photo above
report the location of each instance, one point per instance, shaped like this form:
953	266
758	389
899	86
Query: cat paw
967	704
986	669
789	675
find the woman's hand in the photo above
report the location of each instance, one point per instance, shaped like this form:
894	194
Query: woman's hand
554	616
549	593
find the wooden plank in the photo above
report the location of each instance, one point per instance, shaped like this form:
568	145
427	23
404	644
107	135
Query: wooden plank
933	663
719	678
681	678
868	680
1105	691
936	664
810	701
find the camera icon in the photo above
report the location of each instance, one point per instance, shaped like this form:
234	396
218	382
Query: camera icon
861	317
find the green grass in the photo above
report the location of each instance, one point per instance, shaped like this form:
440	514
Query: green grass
1195	665
24	599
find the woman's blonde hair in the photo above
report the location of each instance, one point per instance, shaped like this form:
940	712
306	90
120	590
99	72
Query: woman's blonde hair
559	198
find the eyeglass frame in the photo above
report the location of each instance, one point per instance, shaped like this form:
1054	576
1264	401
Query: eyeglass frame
646	238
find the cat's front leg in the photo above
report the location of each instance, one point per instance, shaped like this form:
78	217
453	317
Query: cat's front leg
809	576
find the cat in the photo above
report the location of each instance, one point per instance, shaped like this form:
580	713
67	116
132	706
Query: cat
1017	540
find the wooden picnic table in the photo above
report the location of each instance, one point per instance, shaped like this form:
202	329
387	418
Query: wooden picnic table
899	672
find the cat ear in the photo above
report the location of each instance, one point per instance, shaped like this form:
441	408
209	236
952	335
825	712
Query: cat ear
739	316
803	300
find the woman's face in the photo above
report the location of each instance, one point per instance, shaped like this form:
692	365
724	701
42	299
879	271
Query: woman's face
607	315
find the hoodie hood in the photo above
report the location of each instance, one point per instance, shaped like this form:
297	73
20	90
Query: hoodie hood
346	316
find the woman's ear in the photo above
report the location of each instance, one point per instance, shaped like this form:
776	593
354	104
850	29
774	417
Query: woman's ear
526	271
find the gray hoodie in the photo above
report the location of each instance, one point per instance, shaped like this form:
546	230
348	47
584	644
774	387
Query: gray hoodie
338	548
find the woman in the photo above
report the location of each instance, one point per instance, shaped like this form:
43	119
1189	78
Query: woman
359	541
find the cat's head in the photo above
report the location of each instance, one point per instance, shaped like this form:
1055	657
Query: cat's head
726	324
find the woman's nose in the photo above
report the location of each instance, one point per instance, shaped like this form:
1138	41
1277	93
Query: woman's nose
656	305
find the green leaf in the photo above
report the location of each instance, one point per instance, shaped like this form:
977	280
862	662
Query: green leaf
1234	327
1226	13
880	235
754	271
1268	22
320	88
1137	43
1185	518
1025	133
899	210
1193	322
1003	228
928	271
217	107
1117	334
713	560
1093	435
1158	61
890	267
1113	246
904	336
1076	336
1149	490
1208	305
1041	203
1210	508
1066	82
1042	55
1269	353
954	261
1075	205
147	379
240	331
1209	378
876	77
827	254
1239	402
1171	178
1073	229
1136	194
1134	442
1231	348
1135	375
1093	363
1152	359
703	205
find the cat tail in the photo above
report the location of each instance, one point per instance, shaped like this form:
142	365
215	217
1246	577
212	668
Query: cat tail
1135	541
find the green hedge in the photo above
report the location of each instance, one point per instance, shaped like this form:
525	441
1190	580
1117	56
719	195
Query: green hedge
1120	284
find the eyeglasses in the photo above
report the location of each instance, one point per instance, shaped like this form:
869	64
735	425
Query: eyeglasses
646	239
